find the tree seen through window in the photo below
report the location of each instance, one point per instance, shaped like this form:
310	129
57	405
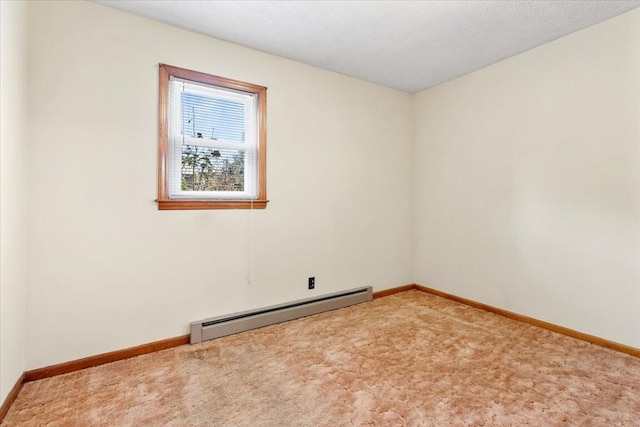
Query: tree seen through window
205	168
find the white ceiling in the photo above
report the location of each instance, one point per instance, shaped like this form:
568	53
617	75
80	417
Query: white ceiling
406	45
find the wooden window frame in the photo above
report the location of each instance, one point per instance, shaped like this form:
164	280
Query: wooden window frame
164	201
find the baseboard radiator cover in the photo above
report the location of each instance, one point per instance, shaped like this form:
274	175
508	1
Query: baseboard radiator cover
221	326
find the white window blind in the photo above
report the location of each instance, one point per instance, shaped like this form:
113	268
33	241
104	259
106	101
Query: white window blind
213	139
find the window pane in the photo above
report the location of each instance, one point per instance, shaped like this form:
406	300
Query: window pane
212	118
211	169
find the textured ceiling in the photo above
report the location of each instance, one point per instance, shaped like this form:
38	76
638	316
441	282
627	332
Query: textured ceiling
406	45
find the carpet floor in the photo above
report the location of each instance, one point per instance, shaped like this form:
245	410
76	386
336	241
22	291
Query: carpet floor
410	359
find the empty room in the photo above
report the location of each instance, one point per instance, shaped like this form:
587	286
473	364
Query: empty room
318	213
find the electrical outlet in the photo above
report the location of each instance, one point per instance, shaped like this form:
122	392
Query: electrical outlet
312	282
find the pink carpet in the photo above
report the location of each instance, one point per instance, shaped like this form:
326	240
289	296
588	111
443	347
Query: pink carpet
410	359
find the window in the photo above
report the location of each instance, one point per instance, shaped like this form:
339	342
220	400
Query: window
212	150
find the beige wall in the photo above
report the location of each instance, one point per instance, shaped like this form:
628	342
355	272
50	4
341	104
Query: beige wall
527	183
13	116
107	270
526	187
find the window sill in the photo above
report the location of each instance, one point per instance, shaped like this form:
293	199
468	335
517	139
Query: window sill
172	205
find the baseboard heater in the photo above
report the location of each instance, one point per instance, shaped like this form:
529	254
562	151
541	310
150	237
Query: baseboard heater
221	326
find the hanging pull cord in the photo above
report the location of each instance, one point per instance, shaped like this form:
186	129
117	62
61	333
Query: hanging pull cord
250	248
